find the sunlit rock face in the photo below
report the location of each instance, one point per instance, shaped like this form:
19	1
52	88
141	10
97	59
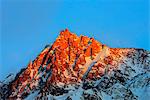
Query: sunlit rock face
78	67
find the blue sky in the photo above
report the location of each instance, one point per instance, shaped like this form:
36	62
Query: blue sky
28	25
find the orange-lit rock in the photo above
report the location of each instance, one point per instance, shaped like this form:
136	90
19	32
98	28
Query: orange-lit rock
68	60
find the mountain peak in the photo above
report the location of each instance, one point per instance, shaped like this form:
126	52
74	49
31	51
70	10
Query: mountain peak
71	50
73	59
67	59
65	32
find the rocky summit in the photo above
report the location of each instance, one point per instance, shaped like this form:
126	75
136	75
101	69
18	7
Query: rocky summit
81	68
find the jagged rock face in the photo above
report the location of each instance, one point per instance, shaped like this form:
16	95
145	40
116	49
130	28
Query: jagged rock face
82	68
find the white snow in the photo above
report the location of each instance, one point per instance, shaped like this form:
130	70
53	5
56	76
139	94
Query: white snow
142	93
89	63
105	96
32	95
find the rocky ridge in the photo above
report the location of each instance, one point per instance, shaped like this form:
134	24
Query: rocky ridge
82	68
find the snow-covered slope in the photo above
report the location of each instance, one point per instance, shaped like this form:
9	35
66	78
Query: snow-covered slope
75	68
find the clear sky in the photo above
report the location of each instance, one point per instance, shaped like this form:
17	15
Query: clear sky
28	25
